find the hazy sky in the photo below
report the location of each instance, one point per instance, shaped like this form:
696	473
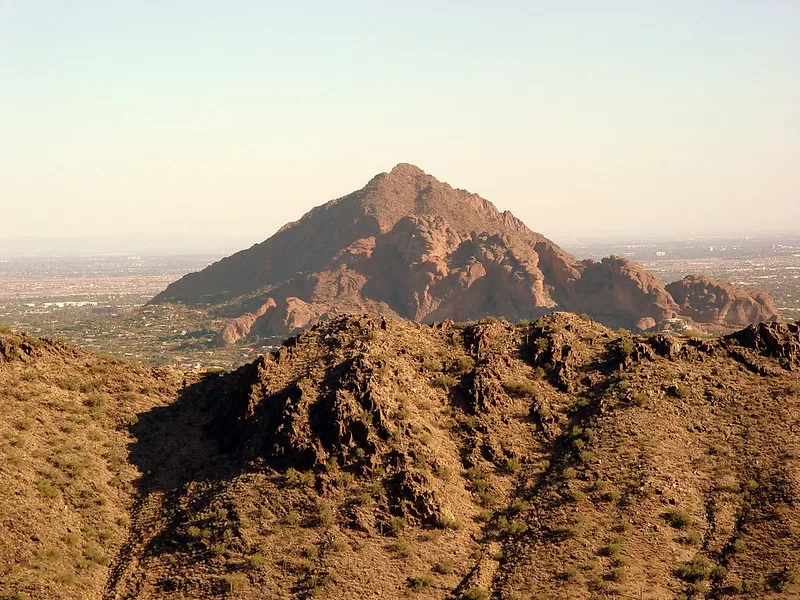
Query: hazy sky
235	117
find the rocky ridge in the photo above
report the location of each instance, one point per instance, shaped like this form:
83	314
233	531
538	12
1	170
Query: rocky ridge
373	457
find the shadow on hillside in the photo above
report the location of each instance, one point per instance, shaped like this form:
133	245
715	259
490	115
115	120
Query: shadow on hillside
183	470
173	447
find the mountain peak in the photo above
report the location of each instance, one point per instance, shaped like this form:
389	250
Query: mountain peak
405	169
410	245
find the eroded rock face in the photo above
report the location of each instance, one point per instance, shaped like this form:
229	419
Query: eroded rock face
411	246
240	327
776	340
708	300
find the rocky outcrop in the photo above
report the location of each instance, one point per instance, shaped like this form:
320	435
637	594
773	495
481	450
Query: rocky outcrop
775	340
411	246
619	291
240	327
708	300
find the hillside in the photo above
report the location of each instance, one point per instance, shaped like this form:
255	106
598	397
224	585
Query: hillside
411	246
374	458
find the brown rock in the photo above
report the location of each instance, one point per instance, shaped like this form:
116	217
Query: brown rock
409	245
707	300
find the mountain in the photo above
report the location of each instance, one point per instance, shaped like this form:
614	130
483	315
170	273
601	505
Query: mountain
409	245
371	457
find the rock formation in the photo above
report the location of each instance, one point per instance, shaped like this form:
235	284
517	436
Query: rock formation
409	245
708	300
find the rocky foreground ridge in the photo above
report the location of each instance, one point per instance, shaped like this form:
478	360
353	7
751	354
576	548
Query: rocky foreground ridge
370	457
409	245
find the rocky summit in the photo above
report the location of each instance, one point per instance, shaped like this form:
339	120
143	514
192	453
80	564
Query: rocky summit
411	246
371	457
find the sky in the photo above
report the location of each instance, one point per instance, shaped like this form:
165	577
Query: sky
232	118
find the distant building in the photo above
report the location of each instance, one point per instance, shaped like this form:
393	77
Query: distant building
659	253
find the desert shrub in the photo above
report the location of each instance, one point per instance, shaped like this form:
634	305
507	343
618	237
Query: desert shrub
464	364
610	496
611	549
576	495
448	522
793	388
678	518
569	574
419	582
785	577
568	531
444	381
235	582
325	516
23	424
477	479
751	586
616	575
444	567
640	399
95	554
292	518
66	578
402	547
513	526
511	465
95	401
46	489
433	366
700	568
256	561
626	346
693	538
396	526
681	391
519	389
476	593
738	545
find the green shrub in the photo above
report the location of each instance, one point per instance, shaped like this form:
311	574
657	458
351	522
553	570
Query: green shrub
432	366
444	381
325	516
396	526
700	568
419	582
681	391
256	561
569	574
476	593
444	567
95	401
402	547
626	346
611	549
678	518
464	364
512	465
519	389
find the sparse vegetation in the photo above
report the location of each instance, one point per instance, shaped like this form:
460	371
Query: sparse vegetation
678	518
519	389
